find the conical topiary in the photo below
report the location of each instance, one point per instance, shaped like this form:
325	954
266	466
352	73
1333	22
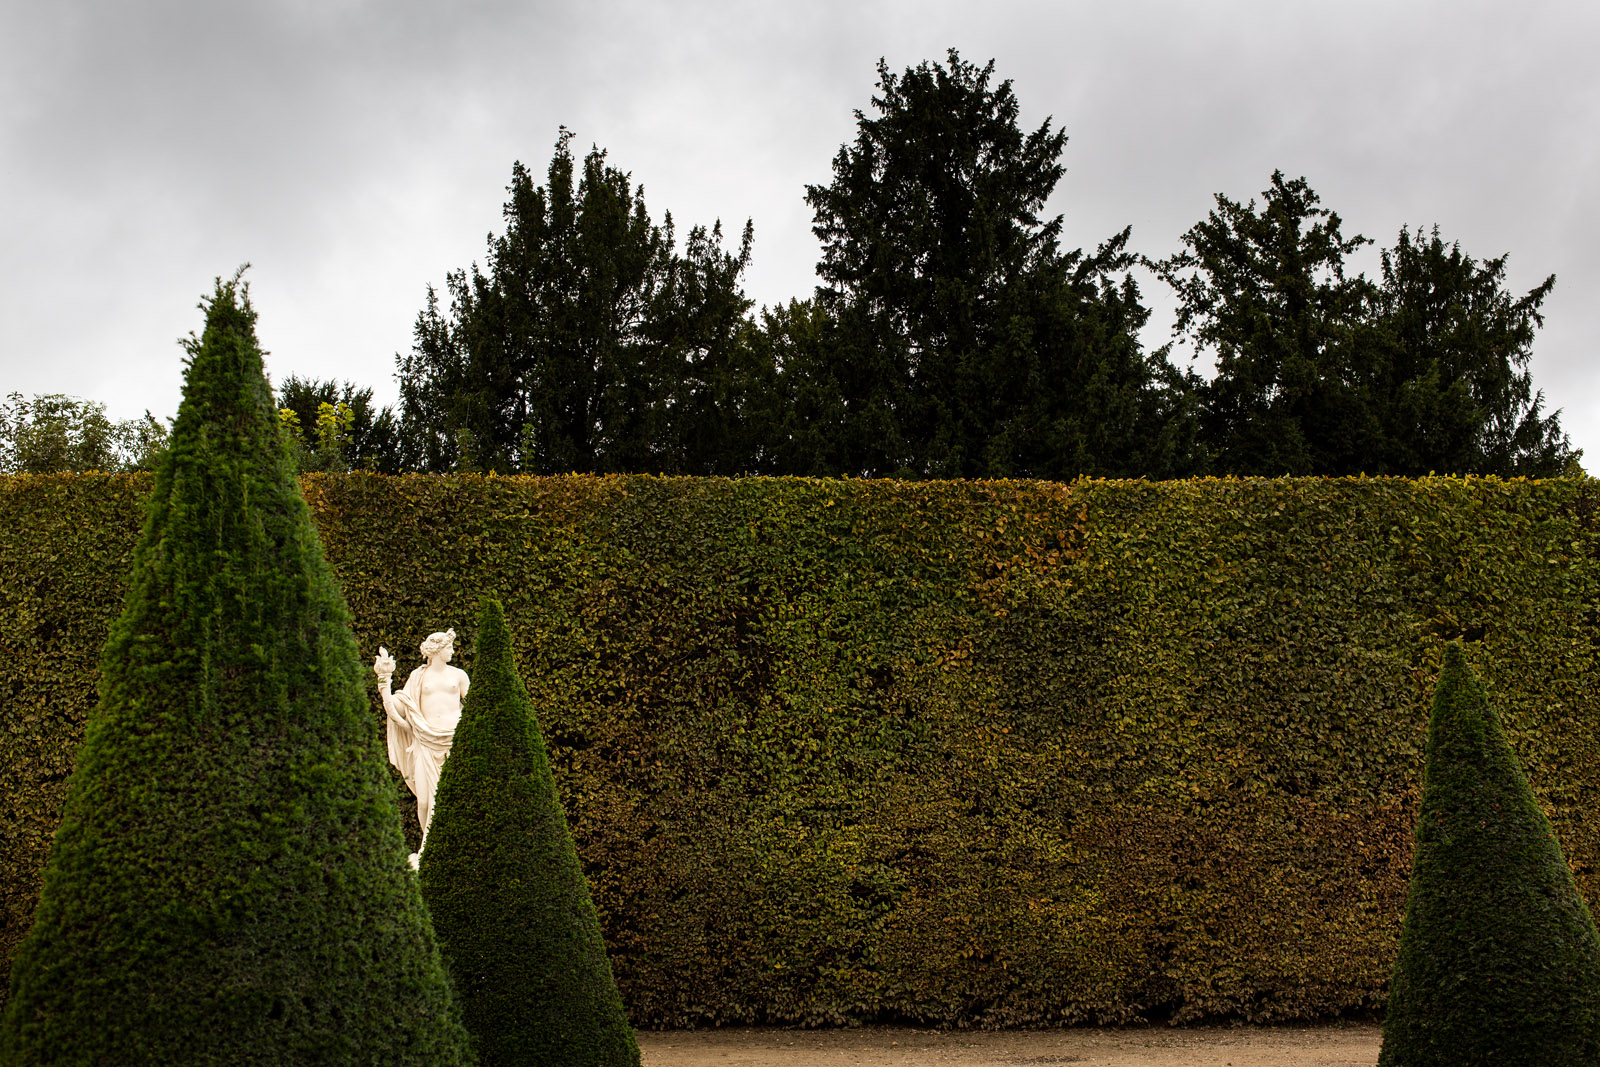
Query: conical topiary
508	896
1499	963
228	884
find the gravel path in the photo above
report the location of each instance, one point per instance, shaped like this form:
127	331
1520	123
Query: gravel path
1339	1045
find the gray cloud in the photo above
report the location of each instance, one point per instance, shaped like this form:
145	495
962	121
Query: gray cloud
355	152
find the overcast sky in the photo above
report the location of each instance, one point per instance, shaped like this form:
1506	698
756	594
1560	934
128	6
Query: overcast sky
355	152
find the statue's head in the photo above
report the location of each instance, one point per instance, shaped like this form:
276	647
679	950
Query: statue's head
439	644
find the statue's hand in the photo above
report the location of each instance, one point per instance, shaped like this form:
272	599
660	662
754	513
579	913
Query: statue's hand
383	666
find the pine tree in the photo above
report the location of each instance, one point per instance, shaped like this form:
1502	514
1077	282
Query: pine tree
585	344
1453	387
228	883
1499	962
1264	291
506	890
365	438
1318	372
965	342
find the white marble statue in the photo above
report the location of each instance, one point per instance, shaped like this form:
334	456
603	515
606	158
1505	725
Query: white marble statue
422	719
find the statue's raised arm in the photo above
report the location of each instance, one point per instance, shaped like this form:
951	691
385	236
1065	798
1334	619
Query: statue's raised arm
383	667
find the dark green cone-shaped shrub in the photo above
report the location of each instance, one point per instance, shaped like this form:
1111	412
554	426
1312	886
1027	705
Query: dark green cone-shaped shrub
508	895
1499	963
228	884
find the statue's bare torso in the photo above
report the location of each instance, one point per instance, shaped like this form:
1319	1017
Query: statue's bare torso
443	688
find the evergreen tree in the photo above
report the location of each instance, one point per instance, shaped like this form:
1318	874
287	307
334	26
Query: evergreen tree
718	381
1264	292
1499	963
507	892
967	343
229	883
586	344
1454	392
1318	372
1085	398
807	421
337	428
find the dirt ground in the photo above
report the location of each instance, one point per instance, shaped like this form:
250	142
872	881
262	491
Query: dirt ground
1340	1045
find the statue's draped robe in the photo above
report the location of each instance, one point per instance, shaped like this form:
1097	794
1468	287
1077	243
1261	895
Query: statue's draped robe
417	748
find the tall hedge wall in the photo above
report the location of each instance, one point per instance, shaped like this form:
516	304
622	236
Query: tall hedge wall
975	753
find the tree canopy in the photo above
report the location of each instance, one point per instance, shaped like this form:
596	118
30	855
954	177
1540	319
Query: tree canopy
335	427
587	343
1453	389
1264	292
1321	372
951	334
966	342
51	433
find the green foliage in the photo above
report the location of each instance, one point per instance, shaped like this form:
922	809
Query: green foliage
802	401
227	883
1317	372
967	344
335	428
506	891
1265	292
952	337
967	753
588	344
1456	393
719	390
1499	962
53	433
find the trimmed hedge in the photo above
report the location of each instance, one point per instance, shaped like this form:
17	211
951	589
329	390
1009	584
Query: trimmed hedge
507	892
1499	961
976	753
228	882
